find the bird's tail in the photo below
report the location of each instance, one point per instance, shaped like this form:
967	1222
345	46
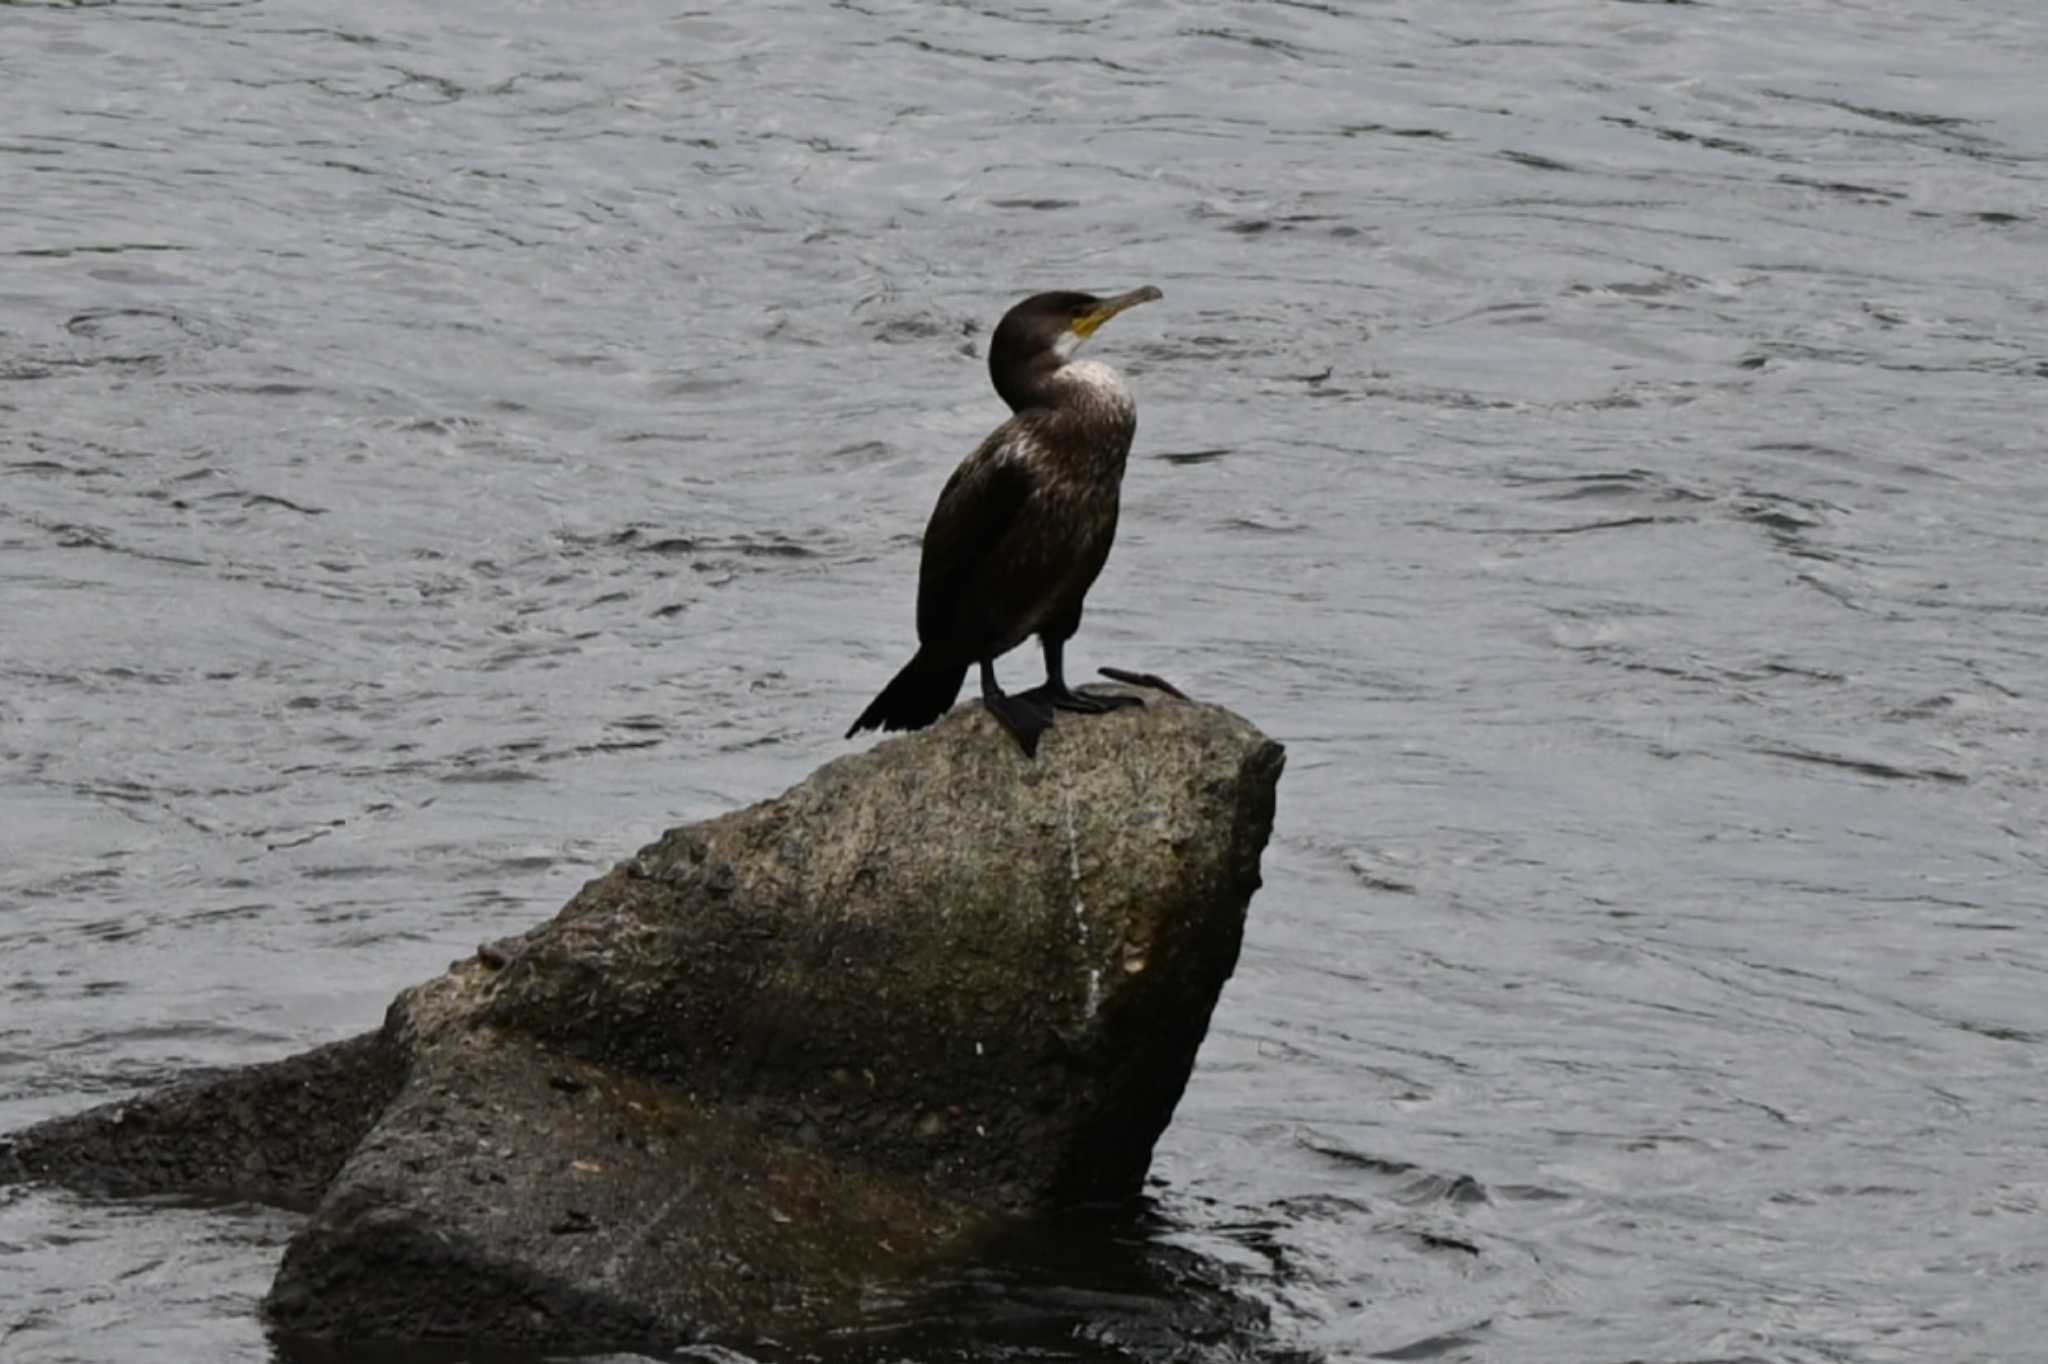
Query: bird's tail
916	696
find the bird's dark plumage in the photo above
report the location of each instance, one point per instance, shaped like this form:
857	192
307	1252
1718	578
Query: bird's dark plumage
1024	525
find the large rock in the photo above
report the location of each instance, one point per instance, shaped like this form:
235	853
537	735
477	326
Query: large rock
830	1043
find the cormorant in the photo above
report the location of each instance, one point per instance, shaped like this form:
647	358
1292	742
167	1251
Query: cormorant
1023	526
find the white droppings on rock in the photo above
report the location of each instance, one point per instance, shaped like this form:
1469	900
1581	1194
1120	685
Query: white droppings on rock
1093	992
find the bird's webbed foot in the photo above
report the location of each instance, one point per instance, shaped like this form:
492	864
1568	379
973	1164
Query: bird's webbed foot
1131	679
1023	715
1059	696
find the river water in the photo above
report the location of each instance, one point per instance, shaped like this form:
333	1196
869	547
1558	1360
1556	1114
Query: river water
441	446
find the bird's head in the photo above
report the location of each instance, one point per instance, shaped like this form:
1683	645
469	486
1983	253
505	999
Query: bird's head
1039	334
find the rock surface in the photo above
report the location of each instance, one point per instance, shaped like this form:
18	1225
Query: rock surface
274	1133
835	1040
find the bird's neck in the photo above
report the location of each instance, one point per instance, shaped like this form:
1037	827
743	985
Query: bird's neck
1089	419
1094	385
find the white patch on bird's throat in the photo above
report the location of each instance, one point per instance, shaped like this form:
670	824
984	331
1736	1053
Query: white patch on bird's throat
1104	381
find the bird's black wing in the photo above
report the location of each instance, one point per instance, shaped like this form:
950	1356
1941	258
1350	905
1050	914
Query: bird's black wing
978	505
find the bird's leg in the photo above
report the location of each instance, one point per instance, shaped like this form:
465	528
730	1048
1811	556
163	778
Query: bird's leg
1059	696
1021	715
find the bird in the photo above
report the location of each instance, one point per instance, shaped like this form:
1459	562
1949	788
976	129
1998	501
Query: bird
1022	528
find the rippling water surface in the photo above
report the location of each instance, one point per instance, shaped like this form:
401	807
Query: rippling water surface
440	446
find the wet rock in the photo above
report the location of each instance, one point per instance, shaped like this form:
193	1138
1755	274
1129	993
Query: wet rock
274	1133
836	1041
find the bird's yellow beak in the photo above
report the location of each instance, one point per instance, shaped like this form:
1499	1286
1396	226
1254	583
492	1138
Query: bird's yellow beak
1084	326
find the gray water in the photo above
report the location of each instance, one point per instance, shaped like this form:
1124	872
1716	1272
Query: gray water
443	445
